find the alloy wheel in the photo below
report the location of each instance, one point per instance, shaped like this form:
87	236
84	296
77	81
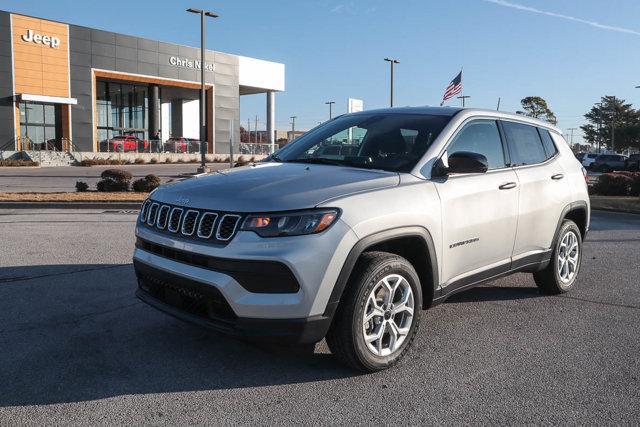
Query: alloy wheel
388	315
568	257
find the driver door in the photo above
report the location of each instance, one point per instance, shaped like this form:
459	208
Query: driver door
479	210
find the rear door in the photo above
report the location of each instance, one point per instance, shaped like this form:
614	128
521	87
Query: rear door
479	210
544	191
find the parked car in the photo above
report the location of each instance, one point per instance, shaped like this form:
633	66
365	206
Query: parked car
609	162
353	246
125	144
588	159
633	163
182	145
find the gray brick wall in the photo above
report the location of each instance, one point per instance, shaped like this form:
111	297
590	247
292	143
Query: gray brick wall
7	127
91	48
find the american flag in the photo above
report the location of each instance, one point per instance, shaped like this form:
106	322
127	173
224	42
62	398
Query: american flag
454	88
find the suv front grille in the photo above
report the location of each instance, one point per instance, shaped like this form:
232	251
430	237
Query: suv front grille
214	226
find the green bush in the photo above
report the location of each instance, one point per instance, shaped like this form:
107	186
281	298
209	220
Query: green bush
81	186
611	184
110	185
634	189
146	184
118	175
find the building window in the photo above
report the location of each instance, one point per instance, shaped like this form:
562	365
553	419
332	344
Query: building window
122	109
39	124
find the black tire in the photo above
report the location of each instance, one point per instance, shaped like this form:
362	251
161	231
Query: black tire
549	280
345	338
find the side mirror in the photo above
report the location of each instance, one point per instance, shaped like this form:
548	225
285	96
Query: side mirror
460	162
467	162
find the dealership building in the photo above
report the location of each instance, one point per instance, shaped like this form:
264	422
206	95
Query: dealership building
64	82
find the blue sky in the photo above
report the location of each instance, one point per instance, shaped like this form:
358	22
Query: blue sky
570	52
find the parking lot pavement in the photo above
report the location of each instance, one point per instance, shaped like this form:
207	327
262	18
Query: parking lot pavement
77	347
63	178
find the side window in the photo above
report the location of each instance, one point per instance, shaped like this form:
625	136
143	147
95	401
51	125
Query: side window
547	142
525	145
482	137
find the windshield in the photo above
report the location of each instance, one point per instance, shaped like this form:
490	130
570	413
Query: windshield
392	141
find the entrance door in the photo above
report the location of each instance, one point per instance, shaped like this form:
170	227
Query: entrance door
479	210
40	126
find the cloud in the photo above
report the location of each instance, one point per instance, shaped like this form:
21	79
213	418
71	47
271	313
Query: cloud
598	25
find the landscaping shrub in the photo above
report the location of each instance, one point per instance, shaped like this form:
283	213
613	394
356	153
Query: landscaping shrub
146	184
17	163
610	184
110	185
81	186
116	175
153	161
139	161
634	189
114	180
102	162
168	160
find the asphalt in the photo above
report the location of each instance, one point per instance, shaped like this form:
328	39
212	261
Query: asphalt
78	348
63	178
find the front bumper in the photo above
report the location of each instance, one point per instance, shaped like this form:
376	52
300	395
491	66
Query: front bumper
203	305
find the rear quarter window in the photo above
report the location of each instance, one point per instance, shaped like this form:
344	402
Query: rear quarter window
549	147
525	145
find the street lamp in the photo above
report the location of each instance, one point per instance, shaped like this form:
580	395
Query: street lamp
330	103
391	61
203	115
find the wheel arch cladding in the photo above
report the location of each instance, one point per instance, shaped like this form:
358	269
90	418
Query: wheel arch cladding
576	212
413	243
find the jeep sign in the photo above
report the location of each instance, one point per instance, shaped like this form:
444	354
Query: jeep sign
51	41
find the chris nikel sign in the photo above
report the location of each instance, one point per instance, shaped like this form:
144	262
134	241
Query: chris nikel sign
189	63
33	37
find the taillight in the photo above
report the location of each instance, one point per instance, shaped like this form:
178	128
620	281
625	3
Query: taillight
584	173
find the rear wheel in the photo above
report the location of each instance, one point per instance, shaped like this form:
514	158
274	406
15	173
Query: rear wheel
379	313
561	273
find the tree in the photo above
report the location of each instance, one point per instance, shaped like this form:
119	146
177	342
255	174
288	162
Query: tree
537	107
612	116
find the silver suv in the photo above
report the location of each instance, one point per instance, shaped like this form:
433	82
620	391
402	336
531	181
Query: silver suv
352	229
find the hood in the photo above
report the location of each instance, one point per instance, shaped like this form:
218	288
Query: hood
270	187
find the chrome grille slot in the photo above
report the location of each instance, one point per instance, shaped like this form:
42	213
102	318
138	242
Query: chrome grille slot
163	215
153	211
227	227
174	220
189	222
206	225
144	210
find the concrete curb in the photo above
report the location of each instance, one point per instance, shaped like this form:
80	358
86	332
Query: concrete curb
71	205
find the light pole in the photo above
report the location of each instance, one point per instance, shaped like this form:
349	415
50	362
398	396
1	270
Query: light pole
571	136
293	127
330	103
391	61
203	96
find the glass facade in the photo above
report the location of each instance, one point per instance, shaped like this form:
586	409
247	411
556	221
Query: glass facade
121	109
39	124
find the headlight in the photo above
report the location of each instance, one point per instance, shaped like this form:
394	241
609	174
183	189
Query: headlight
291	223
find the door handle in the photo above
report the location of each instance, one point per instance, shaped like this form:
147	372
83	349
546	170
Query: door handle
557	176
508	186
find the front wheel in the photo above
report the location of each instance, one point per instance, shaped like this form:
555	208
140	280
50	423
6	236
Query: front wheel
378	316
561	273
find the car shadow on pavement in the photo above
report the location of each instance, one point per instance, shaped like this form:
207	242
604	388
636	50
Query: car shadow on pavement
71	333
494	293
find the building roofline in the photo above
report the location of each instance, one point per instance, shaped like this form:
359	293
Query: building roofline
129	35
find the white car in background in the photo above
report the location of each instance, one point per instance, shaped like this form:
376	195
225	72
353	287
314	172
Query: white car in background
588	159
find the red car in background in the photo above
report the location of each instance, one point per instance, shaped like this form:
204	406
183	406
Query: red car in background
182	145
124	144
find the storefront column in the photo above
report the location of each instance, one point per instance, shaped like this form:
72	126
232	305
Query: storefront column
154	112
271	120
